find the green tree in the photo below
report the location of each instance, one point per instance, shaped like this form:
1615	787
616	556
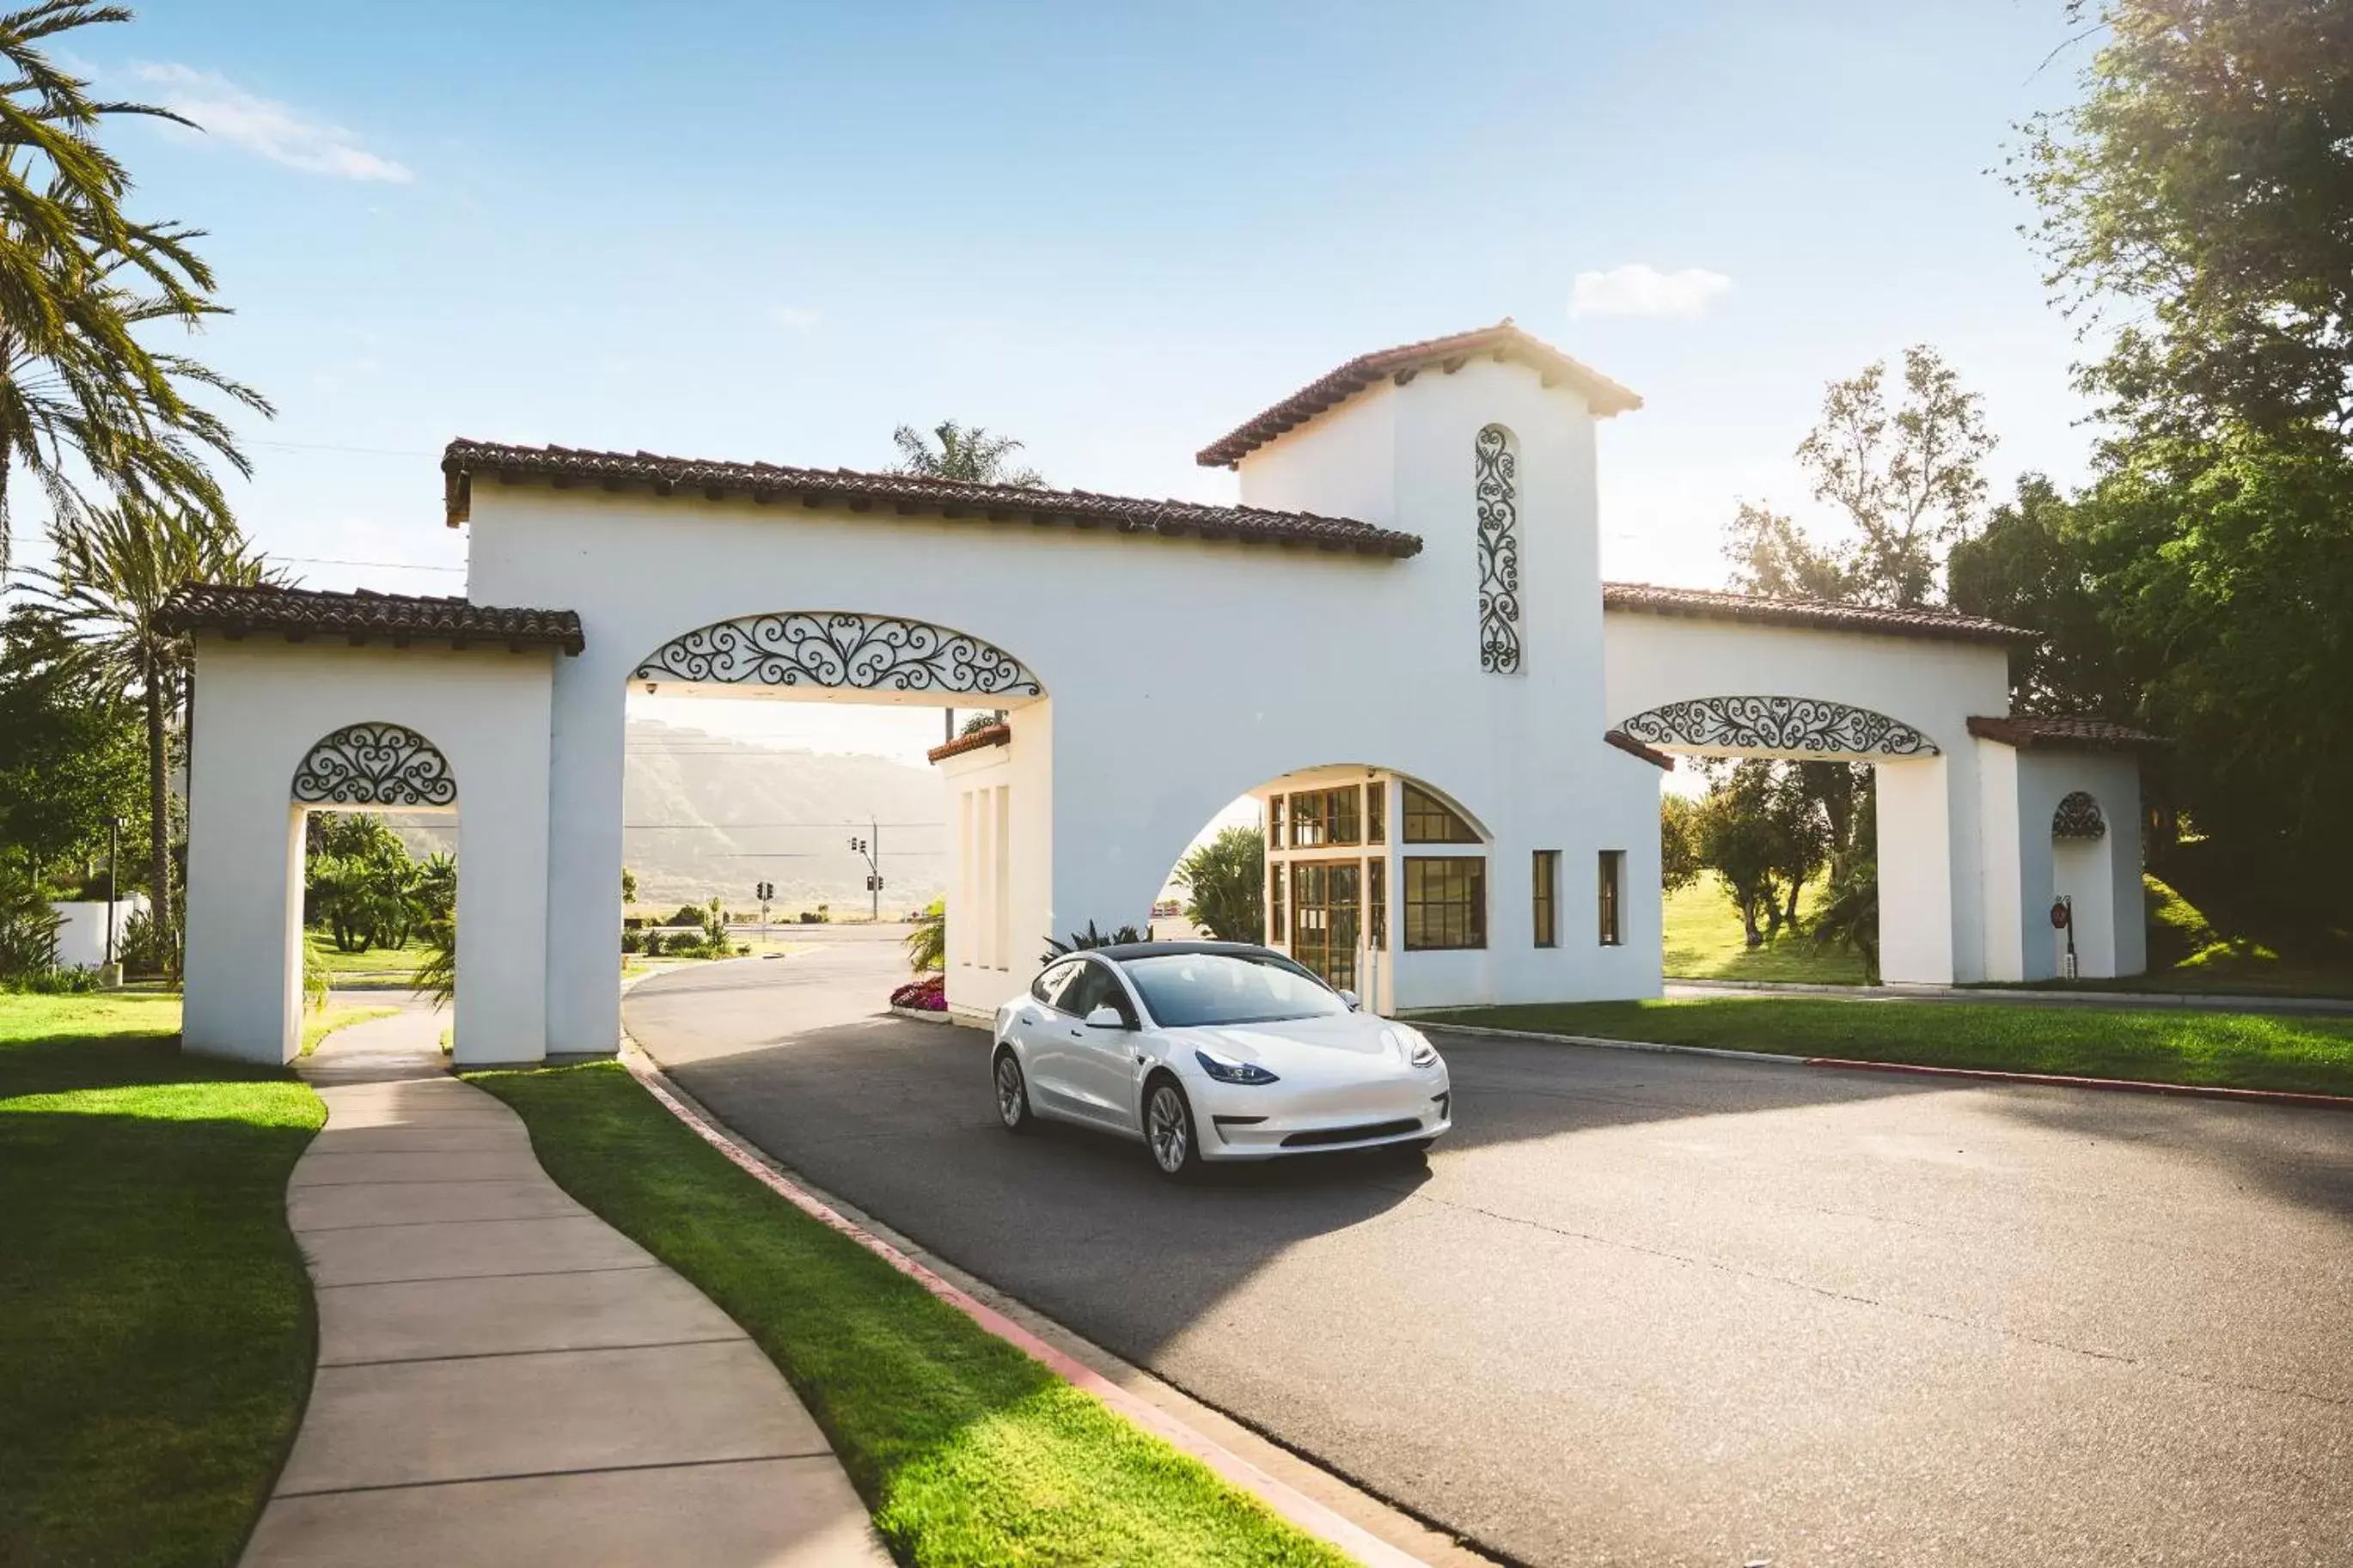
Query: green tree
79	282
2197	201
628	886
1905	479
2034	567
1680	860
1736	841
966	452
70	746
927	944
1227	879
117	567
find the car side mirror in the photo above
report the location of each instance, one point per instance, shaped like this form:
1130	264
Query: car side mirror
1106	1017
1352	999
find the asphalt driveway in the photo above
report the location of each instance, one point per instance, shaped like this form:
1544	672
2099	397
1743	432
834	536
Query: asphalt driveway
1656	1309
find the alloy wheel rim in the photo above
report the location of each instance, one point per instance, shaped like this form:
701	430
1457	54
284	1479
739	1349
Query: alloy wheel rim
1008	1090
1167	1129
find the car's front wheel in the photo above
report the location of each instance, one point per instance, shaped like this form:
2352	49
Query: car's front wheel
1168	1131
1012	1093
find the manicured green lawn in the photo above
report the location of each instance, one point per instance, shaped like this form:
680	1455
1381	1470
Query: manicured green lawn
966	1450
2240	1051
373	960
155	1322
317	1026
1705	941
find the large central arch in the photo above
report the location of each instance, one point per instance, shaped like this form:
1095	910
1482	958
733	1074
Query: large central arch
841	650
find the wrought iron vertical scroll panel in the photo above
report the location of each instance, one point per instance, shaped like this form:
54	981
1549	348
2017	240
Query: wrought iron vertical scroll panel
1496	471
375	764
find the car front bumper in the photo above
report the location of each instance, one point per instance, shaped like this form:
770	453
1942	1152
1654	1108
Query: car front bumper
1242	1123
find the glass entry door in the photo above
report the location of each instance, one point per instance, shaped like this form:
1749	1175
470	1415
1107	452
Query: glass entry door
1326	912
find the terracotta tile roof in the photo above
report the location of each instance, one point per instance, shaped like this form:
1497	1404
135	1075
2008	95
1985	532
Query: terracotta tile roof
994	735
904	494
1406	361
300	614
1708	604
1634	748
2062	731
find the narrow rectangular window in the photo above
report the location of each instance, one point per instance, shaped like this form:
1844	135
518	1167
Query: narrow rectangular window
1274	822
1277	933
1547	898
1343	815
1377	811
1308	819
1376	899
1613	878
1445	902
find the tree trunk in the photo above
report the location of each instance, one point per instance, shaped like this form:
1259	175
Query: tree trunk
1797	885
158	796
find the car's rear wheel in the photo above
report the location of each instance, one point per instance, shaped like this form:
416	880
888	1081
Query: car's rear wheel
1168	1131
1012	1093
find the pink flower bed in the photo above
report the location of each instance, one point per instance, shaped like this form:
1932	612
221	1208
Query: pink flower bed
929	994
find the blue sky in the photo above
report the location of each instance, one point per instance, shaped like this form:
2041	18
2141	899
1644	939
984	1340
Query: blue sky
776	231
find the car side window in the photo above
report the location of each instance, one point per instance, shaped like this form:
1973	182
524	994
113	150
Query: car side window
1096	987
1048	986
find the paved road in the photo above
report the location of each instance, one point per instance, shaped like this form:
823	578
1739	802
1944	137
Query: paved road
1658	1309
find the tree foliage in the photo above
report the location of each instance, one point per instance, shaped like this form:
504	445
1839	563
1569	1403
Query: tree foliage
1904	479
966	452
1227	881
927	944
70	747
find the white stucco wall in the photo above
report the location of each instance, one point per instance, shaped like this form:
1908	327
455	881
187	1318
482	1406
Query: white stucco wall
2103	876
81	931
1932	832
261	704
1000	817
1296	658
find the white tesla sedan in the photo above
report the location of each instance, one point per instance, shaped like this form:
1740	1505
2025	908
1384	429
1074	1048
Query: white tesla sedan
1212	1051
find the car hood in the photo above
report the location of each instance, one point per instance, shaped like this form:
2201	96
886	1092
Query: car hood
1300	1043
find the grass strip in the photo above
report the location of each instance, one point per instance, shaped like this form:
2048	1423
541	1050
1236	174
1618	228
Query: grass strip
967	1451
155	1321
2234	1050
317	1026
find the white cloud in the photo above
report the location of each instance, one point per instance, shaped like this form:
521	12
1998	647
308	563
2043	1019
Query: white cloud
276	132
794	318
1638	289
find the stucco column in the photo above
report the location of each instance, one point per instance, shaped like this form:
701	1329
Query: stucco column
502	849
242	985
582	884
1915	872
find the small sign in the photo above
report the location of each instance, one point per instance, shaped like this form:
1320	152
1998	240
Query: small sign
2062	914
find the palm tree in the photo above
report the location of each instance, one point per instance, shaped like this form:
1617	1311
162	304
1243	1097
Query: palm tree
77	279
966	452
117	566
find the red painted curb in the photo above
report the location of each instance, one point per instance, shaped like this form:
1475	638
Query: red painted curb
2130	1084
1292	1504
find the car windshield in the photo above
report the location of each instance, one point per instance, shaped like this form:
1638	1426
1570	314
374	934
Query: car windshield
1188	988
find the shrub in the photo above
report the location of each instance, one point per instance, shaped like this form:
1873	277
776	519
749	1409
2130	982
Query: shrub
149	947
654	942
688	915
1082	940
929	994
28	927
54	981
633	938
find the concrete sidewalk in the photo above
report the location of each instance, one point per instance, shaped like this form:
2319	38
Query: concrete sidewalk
504	1378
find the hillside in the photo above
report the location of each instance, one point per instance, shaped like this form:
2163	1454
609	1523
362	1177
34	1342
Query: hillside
704	816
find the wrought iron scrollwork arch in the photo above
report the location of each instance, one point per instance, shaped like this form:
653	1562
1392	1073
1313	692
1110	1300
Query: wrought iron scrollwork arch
2078	816
375	764
1805	724
839	649
1495	468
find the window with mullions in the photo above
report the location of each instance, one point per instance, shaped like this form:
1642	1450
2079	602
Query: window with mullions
1428	820
1274	822
1376	900
1377	813
1445	902
1547	898
1275	929
1326	901
1323	816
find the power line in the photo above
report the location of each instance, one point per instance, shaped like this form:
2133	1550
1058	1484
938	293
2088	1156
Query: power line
724	826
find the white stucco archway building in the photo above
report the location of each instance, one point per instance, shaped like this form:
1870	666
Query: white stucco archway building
1441	495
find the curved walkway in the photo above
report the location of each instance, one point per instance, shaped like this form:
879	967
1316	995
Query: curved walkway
504	1378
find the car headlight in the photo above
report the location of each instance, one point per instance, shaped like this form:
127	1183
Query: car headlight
1419	1052
1224	1070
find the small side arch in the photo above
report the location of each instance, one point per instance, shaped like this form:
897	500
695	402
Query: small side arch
375	766
2078	816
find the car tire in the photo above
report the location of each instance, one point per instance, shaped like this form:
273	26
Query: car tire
1012	1087
1169	1133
